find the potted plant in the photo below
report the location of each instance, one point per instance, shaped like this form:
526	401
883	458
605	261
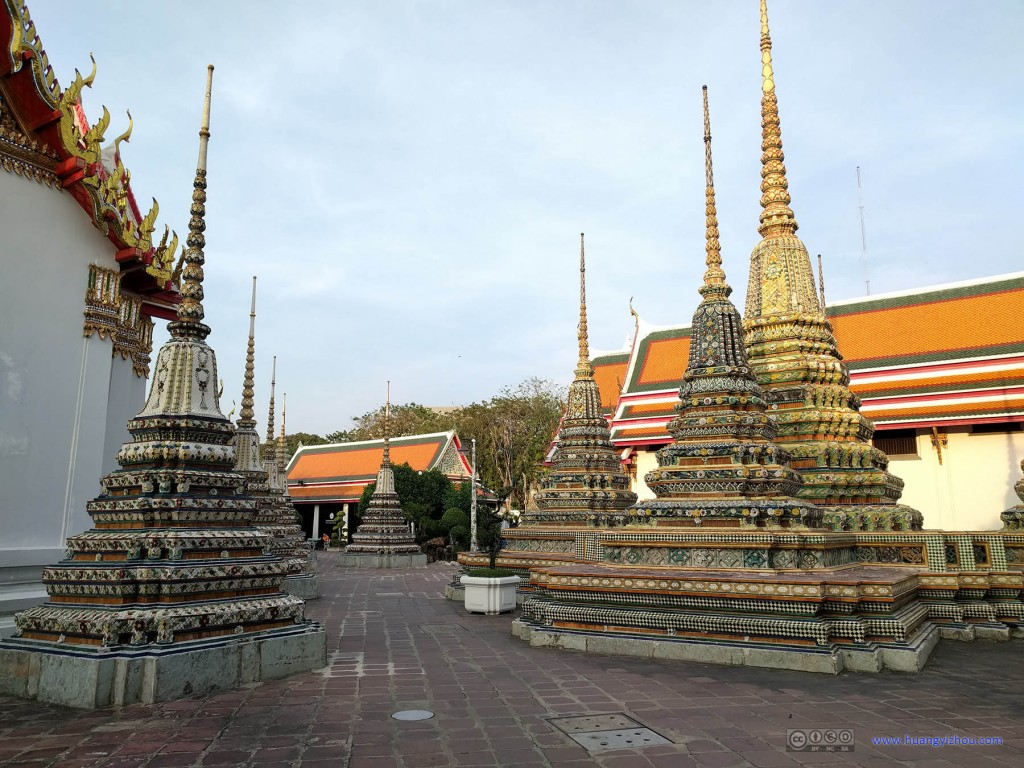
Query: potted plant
490	590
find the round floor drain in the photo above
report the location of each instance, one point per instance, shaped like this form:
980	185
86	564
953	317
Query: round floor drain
412	714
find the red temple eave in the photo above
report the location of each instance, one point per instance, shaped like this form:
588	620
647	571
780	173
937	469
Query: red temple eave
33	99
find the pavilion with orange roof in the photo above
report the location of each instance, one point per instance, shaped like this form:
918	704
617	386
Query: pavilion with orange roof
326	481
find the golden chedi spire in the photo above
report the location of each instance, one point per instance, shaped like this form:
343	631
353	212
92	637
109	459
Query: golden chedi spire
247	416
282	448
583	366
190	310
586	484
714	276
781	280
722	467
270	446
791	348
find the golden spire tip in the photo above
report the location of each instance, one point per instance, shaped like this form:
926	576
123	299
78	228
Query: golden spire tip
714	276
583	367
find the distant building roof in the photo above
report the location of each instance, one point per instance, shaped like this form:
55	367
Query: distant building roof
340	472
947	354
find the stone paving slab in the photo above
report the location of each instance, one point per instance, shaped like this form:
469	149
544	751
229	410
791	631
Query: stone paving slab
393	646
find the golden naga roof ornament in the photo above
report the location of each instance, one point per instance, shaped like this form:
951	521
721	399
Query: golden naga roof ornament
26	46
583	366
126	136
776	215
714	277
189	324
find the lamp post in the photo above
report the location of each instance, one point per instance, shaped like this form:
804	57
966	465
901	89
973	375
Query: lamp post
472	504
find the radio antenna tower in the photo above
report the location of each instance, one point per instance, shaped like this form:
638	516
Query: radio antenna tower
863	236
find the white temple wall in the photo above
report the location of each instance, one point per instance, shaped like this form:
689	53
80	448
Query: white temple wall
127	393
54	384
646	461
972	485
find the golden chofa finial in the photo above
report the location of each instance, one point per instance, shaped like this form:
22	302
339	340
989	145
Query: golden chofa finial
776	215
583	367
714	277
126	136
247	416
190	310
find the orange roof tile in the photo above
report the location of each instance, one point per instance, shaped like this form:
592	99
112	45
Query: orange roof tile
930	326
610	377
665	362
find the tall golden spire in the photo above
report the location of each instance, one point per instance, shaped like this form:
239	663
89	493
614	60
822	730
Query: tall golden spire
583	367
821	283
387	434
247	416
190	311
271	449
282	450
714	277
776	215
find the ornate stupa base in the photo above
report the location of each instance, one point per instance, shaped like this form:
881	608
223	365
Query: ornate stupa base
785	621
89	678
789	598
302	585
871	517
381	559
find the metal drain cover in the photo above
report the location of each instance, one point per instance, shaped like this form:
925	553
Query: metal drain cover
596	733
412	714
587	723
632	738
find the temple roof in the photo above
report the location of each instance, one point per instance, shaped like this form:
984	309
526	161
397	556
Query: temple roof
340	472
940	355
52	120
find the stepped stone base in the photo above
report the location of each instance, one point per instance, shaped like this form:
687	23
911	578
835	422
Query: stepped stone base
89	679
381	560
304	586
829	659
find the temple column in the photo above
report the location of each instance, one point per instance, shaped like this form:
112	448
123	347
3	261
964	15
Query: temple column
316	523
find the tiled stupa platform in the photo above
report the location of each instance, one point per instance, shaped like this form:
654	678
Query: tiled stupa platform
799	599
859	617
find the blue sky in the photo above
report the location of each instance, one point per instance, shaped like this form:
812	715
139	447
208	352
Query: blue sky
409	179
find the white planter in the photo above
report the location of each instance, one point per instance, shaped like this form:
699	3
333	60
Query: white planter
490	595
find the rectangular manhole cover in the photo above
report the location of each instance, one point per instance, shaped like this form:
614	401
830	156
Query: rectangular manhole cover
391	594
610	731
585	723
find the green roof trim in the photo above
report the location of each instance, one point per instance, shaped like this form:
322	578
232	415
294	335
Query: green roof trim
644	349
926	297
940	356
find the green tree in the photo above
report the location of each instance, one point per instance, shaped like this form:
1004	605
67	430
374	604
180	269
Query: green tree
408	419
513	431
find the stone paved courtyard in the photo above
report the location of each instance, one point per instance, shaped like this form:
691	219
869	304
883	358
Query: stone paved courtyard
395	644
